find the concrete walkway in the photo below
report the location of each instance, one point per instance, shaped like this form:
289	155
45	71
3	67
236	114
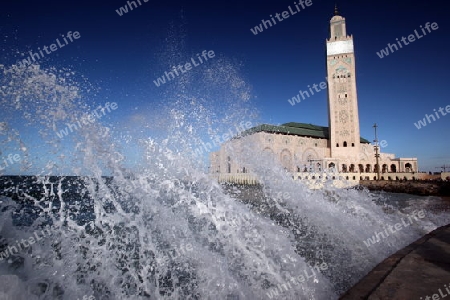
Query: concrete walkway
419	271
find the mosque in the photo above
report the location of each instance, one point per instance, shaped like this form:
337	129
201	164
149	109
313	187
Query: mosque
311	152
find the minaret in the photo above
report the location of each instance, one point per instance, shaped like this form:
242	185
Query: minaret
343	118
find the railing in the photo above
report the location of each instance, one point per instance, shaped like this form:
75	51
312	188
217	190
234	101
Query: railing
248	178
239	178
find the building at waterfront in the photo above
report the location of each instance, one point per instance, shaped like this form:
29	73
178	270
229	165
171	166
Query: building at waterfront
309	151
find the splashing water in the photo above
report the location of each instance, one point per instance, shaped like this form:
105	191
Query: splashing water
167	230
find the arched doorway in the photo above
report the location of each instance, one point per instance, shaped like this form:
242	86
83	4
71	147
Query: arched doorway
286	160
308	158
393	168
408	167
268	154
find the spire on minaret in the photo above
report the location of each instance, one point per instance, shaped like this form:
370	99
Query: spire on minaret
336	12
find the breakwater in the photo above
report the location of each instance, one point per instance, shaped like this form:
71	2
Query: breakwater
421	188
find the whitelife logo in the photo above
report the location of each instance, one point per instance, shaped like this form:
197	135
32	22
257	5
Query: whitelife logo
285	14
438	296
411	38
9	161
275	292
323	85
85	120
428	118
398	226
187	66
124	9
53	47
218	140
23	244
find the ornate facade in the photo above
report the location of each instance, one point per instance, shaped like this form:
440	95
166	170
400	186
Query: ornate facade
310	152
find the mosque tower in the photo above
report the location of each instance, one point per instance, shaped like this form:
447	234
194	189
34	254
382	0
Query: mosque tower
343	121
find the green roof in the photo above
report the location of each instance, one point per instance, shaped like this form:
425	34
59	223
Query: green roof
293	128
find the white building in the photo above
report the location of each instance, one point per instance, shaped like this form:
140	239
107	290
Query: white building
308	150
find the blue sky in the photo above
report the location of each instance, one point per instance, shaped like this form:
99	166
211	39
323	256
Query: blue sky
120	56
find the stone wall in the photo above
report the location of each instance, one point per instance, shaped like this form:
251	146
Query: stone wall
422	188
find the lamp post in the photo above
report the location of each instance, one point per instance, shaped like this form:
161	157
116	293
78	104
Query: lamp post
376	152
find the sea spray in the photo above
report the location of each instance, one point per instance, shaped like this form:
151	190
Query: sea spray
116	228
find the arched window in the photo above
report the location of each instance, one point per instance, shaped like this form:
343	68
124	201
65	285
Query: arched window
352	168
337	144
408	167
228	164
286	160
345	144
344	168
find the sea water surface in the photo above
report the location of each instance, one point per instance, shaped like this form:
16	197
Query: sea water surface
196	240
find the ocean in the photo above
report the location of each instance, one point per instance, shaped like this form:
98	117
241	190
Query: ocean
74	237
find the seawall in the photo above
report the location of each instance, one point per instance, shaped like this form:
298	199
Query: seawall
421	270
421	188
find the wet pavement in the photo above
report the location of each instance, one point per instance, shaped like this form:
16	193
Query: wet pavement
419	271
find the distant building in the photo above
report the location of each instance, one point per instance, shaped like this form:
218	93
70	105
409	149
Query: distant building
306	150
